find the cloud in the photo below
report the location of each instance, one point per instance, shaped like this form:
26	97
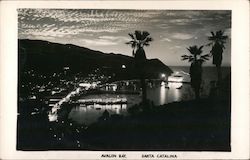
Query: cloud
104	41
208	34
228	32
86	20
49	31
115	38
92	27
163	26
181	21
182	36
175	47
166	39
97	42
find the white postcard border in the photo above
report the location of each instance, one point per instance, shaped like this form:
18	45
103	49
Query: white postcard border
240	76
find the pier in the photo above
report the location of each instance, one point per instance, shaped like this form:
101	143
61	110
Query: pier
102	101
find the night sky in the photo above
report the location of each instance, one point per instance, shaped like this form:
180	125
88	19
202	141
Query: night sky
107	30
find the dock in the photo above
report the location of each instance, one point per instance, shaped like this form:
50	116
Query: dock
103	101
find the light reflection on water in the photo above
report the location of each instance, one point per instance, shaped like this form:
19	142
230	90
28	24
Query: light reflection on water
160	94
177	95
163	94
89	114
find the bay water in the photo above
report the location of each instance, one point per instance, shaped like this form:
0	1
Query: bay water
159	95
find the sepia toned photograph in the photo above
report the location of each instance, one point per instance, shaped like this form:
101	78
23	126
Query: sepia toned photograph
124	80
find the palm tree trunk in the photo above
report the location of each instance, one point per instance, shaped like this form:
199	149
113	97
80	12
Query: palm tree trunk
197	93
144	90
218	67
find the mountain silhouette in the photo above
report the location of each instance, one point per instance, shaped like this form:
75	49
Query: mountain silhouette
47	57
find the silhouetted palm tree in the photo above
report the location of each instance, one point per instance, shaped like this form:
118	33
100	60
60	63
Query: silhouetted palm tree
139	39
196	58
218	40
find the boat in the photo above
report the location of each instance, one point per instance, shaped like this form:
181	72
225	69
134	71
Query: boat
179	76
175	78
175	85
179	87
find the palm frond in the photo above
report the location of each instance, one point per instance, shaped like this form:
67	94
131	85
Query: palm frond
145	34
132	43
128	42
201	48
138	35
205	57
131	36
187	57
212	33
190	50
191	59
139	39
184	56
194	50
202	60
133	52
148	39
224	37
208	44
218	36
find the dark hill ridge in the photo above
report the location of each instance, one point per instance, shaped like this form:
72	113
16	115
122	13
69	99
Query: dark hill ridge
44	56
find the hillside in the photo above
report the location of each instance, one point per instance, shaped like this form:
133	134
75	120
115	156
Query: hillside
44	56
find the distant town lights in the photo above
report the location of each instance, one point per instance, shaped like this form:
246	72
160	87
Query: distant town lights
66	68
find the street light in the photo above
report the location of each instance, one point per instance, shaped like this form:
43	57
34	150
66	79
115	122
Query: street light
163	77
